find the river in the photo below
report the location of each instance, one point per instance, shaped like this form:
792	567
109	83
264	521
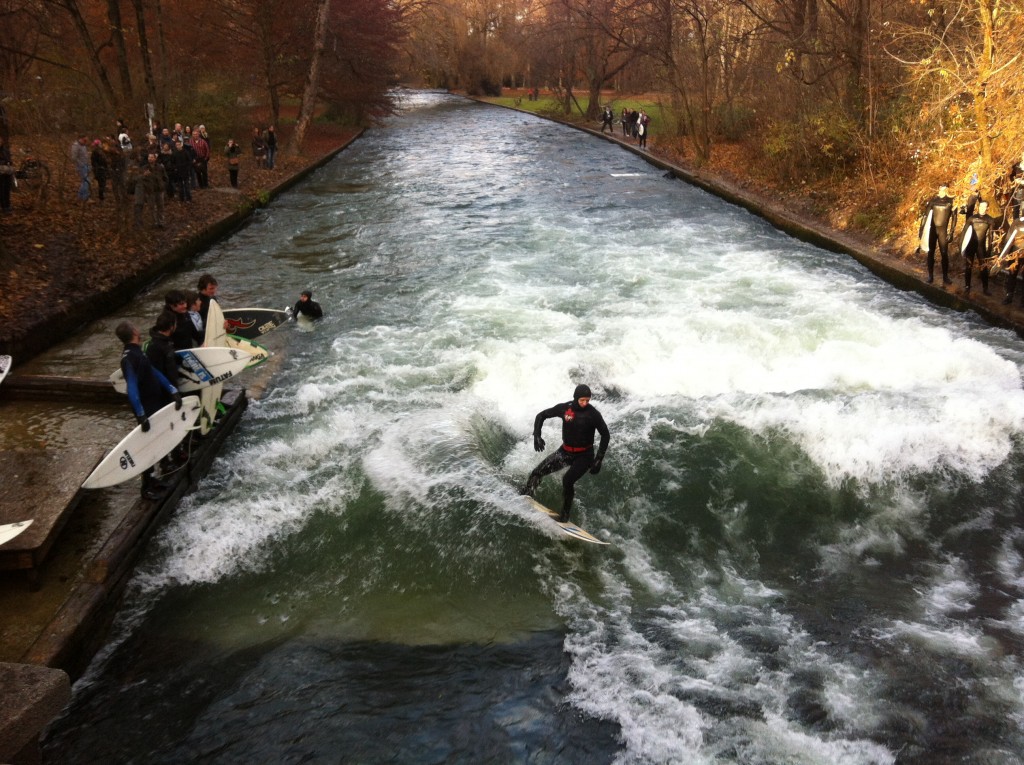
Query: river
812	493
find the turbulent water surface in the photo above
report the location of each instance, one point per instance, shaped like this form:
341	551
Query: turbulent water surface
811	495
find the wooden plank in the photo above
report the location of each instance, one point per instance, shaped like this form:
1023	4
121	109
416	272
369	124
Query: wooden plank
52	387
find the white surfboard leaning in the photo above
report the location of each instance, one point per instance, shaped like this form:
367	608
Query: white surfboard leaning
926	232
251	323
199	367
966	240
9	531
5	366
139	451
257	353
216	337
568	528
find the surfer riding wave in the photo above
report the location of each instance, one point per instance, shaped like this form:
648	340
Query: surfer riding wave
580	421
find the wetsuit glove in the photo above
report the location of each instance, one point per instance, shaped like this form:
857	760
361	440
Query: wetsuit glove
596	467
144	422
177	402
538	444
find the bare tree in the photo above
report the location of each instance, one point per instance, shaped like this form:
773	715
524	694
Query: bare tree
311	90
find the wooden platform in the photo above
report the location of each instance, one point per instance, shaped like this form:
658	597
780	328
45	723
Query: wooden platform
42	485
79	552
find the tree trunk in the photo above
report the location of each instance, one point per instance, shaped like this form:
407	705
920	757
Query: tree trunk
981	115
147	59
106	87
162	49
309	93
120	49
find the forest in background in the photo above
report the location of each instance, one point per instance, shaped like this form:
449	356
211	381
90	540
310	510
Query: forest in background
866	106
863	107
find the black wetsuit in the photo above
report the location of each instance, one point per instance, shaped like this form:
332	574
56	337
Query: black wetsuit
185	334
1014	243
577	451
148	392
980	228
161	355
204	306
943	220
309	308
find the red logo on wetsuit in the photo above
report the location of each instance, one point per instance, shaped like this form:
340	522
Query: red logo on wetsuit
570	415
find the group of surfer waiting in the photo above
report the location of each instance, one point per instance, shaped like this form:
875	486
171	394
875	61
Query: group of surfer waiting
635	124
151	374
977	240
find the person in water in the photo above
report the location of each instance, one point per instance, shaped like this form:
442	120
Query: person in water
580	421
307	307
943	220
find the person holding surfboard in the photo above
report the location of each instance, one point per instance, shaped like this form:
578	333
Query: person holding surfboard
184	333
207	292
939	220
976	245
580	421
148	392
1012	256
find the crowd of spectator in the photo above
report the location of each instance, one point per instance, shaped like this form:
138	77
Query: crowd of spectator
168	163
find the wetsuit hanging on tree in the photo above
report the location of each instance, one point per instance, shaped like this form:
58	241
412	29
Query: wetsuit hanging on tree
579	423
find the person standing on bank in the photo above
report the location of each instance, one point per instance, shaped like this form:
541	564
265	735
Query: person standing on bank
976	244
271	147
579	423
80	159
234	154
307	307
148	392
1013	243
939	220
608	120
6	176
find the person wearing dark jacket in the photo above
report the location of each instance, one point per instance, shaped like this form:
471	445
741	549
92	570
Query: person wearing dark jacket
182	158
6	176
580	421
976	245
100	165
160	350
185	333
939	219
148	392
307	307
